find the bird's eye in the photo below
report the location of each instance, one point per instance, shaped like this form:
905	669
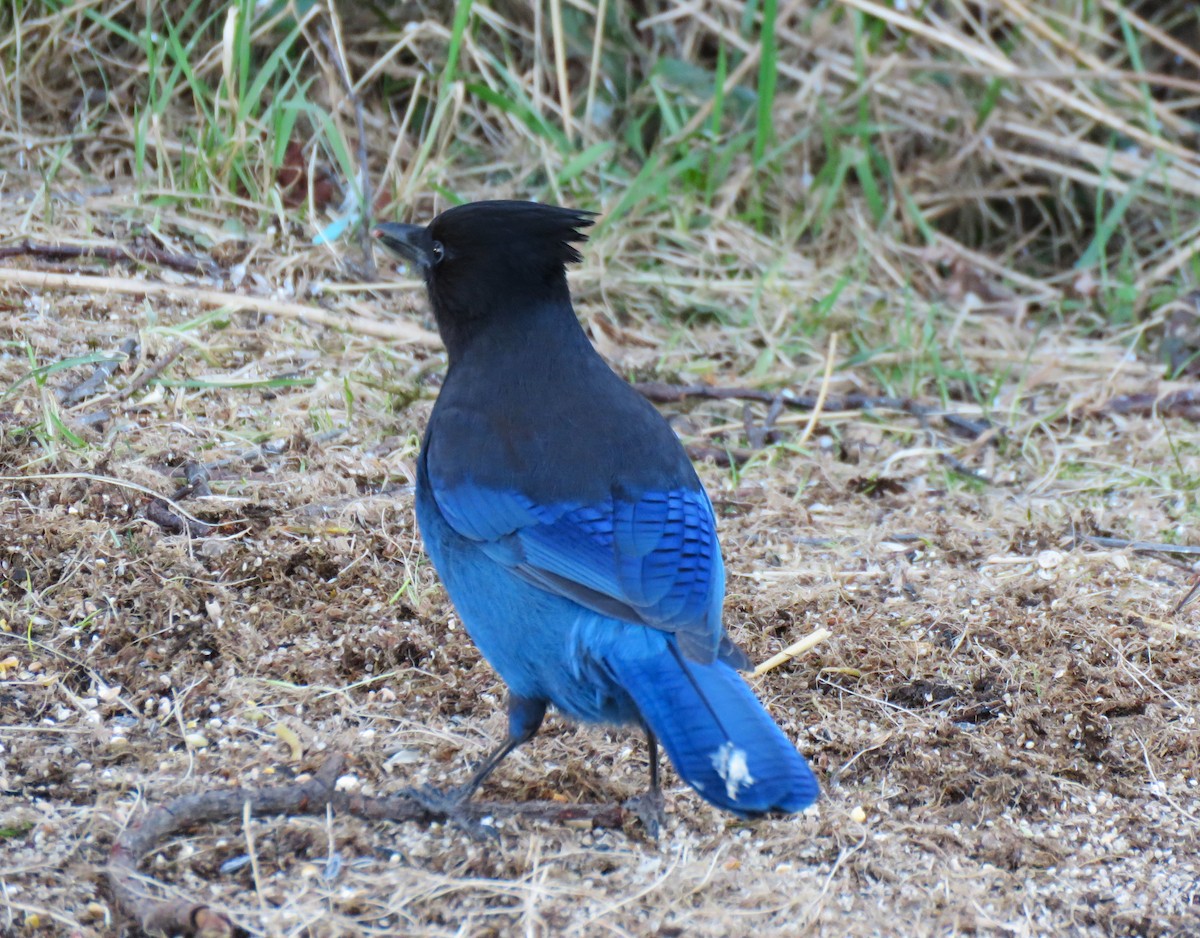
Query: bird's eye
438	252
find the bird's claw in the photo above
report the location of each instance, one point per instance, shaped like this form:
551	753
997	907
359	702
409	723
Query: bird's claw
650	809
450	804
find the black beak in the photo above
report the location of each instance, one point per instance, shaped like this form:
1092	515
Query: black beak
409	241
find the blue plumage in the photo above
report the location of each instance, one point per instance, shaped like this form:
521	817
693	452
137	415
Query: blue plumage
716	733
652	559
567	523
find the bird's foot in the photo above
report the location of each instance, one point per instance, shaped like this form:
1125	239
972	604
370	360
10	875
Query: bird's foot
650	809
450	804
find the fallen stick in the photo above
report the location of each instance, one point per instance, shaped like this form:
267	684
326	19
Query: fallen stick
663	393
793	651
1141	547
104	370
142	254
721	457
822	393
1182	403
160	365
130	286
160	513
314	796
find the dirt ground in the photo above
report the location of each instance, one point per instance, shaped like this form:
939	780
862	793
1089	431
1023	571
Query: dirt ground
1004	720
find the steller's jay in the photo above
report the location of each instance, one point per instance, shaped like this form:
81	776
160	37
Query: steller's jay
568	525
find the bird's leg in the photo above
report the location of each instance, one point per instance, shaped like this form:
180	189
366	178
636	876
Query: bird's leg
650	806
525	717
524	720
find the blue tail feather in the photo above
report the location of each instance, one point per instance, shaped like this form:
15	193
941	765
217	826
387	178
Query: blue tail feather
716	733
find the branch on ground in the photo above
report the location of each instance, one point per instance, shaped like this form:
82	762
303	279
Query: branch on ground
137	253
664	393
104	370
182	916
1183	403
394	330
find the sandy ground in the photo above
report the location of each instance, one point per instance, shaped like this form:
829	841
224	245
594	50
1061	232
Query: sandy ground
1004	721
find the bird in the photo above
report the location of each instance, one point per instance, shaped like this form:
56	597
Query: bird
568	525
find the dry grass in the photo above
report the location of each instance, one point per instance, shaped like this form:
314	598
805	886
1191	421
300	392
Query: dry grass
993	206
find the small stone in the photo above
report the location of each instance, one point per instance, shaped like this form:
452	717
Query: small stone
1049	559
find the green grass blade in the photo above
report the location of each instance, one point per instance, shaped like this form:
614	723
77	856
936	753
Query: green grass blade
462	16
767	75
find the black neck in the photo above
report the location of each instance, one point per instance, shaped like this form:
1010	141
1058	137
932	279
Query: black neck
542	318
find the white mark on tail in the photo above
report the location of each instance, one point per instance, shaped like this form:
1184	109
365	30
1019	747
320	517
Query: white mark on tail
730	763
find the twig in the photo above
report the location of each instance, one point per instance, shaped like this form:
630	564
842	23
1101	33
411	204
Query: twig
756	435
773	413
1141	547
160	513
663	393
154	371
314	796
761	436
792	651
957	465
968	427
1191	594
196	484
1183	403
141	253
699	452
95	417
313	315
823	392
270	448
196	476
104	370
140	381
74	196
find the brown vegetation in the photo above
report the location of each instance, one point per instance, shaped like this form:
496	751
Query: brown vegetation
974	262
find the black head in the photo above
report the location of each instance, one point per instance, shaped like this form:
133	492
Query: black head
485	261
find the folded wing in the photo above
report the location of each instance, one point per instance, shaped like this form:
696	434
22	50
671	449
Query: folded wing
650	558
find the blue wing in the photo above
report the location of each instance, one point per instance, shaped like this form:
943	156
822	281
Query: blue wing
650	558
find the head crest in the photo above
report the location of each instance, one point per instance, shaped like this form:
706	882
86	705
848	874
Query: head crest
509	227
